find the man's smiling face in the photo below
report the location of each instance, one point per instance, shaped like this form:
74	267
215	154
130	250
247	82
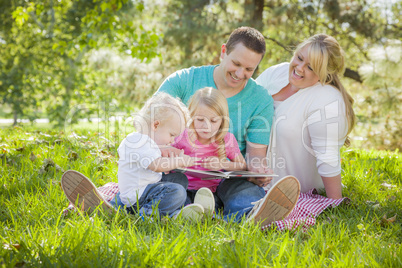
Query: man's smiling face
238	66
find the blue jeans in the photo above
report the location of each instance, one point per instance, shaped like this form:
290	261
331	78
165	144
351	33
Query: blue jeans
236	196
166	195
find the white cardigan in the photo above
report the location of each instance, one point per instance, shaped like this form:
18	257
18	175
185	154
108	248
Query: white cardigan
309	129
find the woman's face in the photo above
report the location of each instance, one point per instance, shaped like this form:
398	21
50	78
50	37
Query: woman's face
301	74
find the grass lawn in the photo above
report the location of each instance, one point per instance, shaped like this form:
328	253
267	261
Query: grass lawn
34	231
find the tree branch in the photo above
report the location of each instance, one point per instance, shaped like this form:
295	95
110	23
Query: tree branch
353	75
279	44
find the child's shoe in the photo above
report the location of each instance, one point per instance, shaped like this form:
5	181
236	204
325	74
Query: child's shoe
193	212
277	203
205	198
77	186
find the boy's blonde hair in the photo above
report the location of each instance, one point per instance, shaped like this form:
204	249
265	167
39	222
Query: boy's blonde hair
216	101
160	107
328	63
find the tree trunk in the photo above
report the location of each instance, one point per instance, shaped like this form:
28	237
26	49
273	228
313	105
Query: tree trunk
253	13
15	114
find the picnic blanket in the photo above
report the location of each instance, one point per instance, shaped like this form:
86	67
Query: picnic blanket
307	208
303	216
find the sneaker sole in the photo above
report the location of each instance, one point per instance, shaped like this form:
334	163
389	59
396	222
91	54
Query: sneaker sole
77	186
205	198
193	212
280	201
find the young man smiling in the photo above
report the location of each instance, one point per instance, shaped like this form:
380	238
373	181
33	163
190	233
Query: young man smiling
250	110
250	106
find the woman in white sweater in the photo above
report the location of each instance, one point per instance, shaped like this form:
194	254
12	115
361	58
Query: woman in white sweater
313	115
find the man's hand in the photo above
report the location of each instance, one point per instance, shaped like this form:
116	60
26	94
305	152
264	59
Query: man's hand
262	182
257	162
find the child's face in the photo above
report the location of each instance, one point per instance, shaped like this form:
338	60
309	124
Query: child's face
165	132
206	123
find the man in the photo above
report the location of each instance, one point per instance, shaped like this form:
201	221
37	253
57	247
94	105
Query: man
250	110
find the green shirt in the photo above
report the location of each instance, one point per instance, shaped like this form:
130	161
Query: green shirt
251	110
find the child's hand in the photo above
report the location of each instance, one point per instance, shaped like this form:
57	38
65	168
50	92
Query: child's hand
190	161
186	160
211	163
168	151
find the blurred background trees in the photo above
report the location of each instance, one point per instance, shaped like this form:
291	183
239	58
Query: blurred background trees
56	55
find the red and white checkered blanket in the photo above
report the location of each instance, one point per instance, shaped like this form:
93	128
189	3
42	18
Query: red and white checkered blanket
308	207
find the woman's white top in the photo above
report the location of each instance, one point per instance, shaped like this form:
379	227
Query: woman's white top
308	131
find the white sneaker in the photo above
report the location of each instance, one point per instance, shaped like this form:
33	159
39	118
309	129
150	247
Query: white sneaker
78	187
193	212
277	203
205	198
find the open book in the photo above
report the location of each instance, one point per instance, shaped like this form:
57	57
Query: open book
213	175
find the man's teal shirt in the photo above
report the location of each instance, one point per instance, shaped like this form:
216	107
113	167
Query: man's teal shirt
251	111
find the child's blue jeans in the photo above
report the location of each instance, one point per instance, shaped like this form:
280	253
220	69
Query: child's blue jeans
168	196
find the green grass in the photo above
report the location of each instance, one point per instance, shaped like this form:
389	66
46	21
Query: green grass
34	232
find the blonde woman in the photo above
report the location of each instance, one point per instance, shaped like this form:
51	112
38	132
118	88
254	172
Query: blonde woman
313	115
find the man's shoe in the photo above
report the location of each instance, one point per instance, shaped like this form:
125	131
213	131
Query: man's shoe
82	193
277	203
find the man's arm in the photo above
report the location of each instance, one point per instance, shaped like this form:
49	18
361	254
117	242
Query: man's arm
256	158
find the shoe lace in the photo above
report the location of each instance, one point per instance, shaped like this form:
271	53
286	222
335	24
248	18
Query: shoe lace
256	206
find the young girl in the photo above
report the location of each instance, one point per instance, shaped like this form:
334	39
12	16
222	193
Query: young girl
141	183
208	138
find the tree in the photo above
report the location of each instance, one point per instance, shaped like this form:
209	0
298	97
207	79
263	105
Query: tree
382	104
45	42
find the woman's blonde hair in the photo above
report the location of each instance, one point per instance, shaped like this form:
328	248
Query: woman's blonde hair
328	63
216	101
160	107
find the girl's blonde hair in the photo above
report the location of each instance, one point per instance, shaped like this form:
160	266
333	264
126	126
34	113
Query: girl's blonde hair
328	62
160	107
216	101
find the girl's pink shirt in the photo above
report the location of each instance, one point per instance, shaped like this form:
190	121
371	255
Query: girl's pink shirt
202	151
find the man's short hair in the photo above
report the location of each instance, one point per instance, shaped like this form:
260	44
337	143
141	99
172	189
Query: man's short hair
251	38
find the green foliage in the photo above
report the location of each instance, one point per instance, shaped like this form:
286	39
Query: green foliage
45	43
130	80
381	107
35	232
47	63
193	29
